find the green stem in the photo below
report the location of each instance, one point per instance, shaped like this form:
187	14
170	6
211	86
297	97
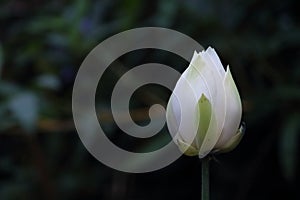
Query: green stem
205	178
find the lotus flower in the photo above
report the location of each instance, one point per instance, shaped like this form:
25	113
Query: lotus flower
204	111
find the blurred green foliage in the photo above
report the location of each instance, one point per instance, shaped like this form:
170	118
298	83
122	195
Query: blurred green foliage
42	44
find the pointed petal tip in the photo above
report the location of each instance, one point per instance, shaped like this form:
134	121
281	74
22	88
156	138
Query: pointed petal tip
228	69
209	48
195	54
228	74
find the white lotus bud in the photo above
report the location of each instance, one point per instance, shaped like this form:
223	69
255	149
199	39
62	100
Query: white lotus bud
204	110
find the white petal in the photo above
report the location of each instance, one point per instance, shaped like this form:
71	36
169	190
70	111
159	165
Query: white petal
216	60
182	112
233	110
173	116
217	99
193	74
184	99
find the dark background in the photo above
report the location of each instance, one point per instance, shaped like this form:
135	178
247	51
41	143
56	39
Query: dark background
42	44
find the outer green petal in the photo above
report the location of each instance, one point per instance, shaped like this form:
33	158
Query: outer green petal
204	116
211	137
186	148
233	142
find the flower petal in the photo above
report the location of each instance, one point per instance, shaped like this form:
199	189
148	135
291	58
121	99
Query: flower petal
173	123
233	110
188	91
233	142
186	148
204	117
211	137
216	88
182	110
173	116
216	60
193	74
